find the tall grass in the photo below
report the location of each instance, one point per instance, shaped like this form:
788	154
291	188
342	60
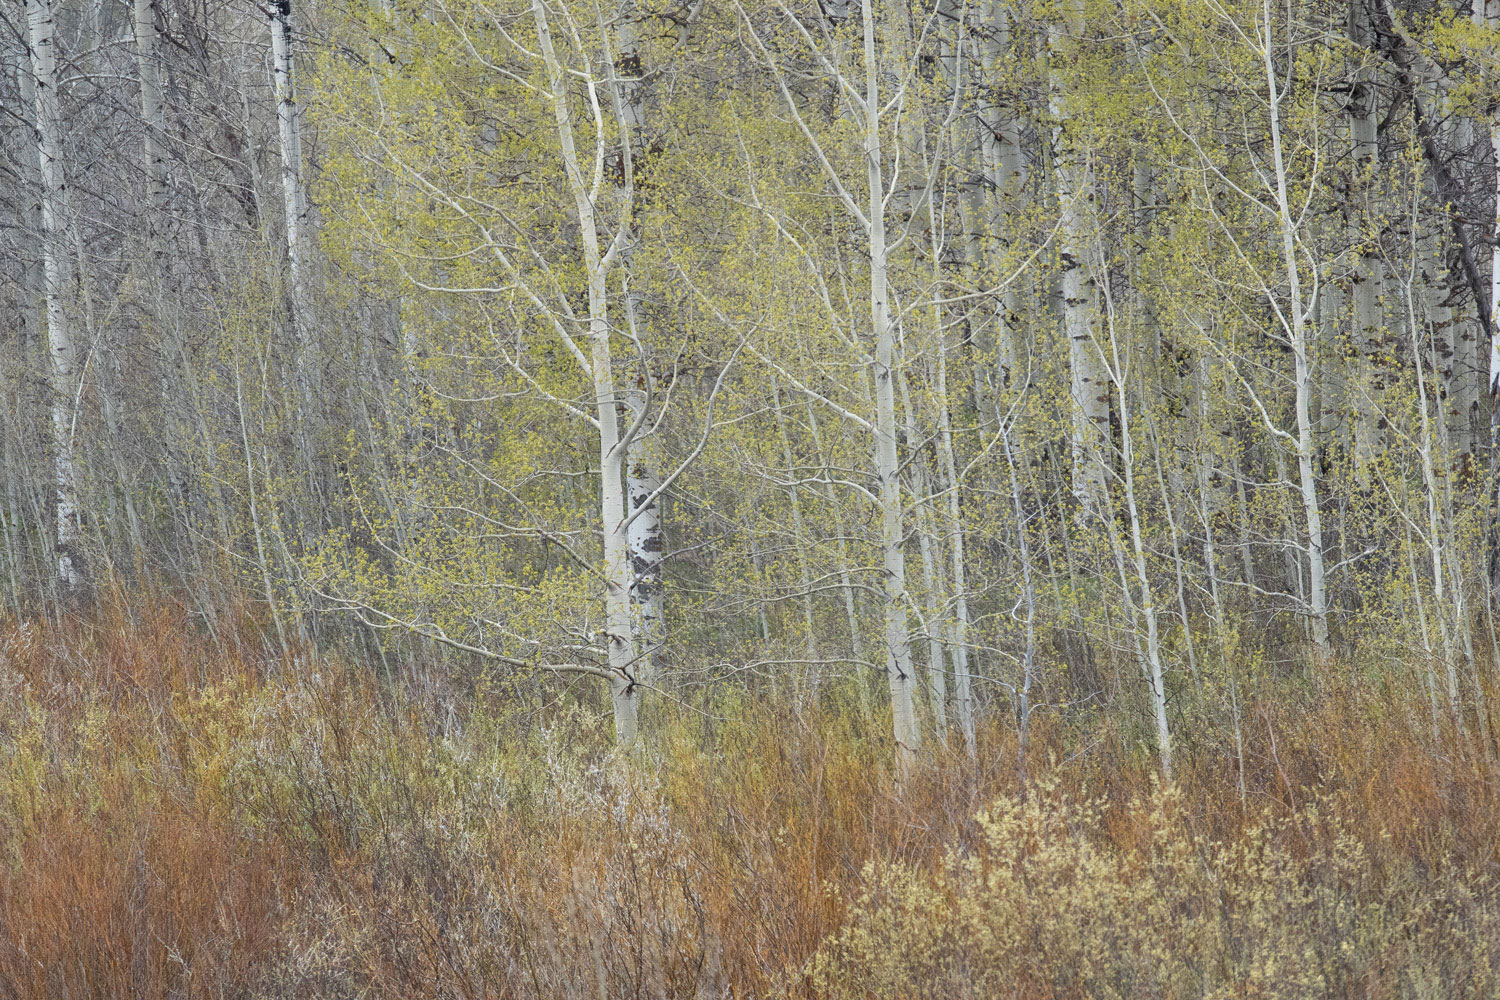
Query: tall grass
180	817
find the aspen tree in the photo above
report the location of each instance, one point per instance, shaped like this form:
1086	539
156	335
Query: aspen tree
293	201
643	458
1074	179
614	441
153	116
932	580
860	89
41	36
1489	12
1290	301
1369	270
1143	600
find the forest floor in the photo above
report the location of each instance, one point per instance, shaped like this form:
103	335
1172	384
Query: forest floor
181	816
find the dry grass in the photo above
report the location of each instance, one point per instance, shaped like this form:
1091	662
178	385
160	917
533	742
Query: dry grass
180	819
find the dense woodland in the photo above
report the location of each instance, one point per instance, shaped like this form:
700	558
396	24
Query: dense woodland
749	497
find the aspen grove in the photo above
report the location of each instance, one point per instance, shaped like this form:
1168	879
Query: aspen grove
695	498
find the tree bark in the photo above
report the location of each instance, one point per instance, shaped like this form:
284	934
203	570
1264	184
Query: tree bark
41	32
1369	272
626	678
293	199
1089	388
899	669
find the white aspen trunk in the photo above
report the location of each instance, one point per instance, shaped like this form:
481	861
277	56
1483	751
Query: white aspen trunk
41	31
1440	342
643	458
1491	10
1177	561
991	209
1368	279
625	680
1429	478
645	538
1155	674
1421	607
1089	389
1208	500
159	235
1296	323
153	118
1242	512
972	202
1028	596
846	580
1331	377
758	565
1487	13
932	579
959	644
887	464
293	198
799	530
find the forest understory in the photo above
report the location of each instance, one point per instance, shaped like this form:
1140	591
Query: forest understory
183	816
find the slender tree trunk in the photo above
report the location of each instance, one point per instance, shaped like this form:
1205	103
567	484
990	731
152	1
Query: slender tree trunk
1155	673
1435	535
41	31
153	117
1331	376
646	539
1489	11
1178	562
799	530
1028	597
1369	272
1089	388
1296	325
887	463
932	579
846	579
991	209
626	677
293	201
959	644
643	456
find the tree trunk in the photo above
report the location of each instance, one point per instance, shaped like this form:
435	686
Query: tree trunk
1089	389
959	644
153	117
293	199
626	677
932	579
887	464
642	458
41	32
1368	280
1295	322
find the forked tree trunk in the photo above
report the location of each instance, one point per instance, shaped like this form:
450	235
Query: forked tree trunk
625	680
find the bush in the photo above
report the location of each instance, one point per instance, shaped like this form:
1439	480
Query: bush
1046	905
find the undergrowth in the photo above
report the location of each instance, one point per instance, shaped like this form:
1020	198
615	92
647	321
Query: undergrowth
180	817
